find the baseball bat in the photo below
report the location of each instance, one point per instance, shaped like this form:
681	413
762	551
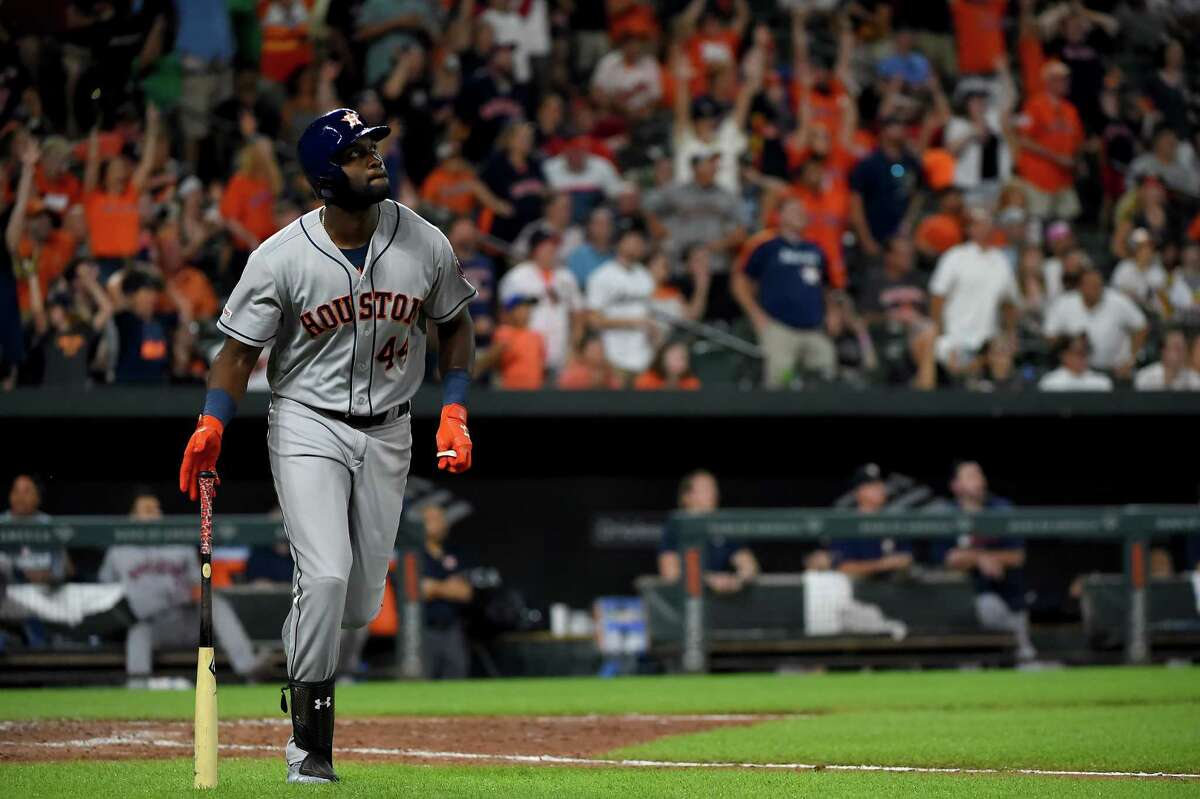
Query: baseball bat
206	663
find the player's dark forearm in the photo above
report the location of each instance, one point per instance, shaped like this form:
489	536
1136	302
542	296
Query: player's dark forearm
232	367
456	344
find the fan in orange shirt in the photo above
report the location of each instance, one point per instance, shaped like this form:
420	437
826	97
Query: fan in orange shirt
1051	135
186	281
248	203
454	187
55	185
839	154
818	90
50	249
286	44
451	187
33	242
826	201
589	369
1030	54
629	15
517	353
979	33
671	370
711	43
113	219
823	102
943	230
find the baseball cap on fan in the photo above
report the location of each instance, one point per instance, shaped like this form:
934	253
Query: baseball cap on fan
539	236
1140	236
1057	231
867	473
517	300
705	107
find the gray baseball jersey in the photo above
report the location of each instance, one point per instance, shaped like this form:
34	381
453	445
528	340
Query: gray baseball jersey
155	578
349	343
344	341
159	583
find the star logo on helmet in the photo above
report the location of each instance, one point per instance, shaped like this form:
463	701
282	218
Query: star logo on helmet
351	119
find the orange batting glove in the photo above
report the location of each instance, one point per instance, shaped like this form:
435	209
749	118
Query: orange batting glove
200	455
453	440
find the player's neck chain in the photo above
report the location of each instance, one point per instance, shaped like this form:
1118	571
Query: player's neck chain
378	216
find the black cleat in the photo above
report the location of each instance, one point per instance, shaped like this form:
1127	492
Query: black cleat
313	769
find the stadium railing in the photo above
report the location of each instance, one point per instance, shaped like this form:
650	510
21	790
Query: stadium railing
1134	525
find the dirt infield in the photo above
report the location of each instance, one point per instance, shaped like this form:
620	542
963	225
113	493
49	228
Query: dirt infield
411	739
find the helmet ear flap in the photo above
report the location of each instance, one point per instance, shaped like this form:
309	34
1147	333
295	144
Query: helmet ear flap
332	185
323	188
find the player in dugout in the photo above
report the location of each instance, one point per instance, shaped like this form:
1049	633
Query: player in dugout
729	566
996	565
870	557
446	592
161	585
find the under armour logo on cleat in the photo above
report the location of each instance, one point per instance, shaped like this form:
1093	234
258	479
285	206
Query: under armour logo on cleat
328	703
351	119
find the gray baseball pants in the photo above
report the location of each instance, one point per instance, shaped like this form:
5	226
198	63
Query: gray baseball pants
178	627
341	490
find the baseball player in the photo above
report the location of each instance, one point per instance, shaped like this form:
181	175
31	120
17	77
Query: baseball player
343	295
159	584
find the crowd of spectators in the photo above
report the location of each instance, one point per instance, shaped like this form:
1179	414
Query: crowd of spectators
991	194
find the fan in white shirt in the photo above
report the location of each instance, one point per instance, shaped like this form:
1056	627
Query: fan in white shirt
628	81
1142	276
1172	373
588	178
1184	293
1065	259
703	127
559	312
971	288
1114	325
528	32
618	296
981	129
1073	374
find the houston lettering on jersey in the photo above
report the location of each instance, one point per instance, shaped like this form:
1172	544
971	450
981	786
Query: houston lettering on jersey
371	305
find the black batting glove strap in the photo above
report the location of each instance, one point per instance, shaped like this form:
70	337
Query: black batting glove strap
312	716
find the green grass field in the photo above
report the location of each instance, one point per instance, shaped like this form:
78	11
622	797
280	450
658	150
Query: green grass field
1098	720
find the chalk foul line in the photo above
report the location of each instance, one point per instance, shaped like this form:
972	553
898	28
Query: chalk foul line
560	760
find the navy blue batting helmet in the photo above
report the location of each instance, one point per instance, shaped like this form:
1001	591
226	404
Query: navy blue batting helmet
323	139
